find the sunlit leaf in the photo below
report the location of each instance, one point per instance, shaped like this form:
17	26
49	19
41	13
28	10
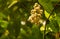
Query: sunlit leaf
46	14
4	24
14	2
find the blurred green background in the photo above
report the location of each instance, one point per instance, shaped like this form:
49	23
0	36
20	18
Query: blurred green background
15	13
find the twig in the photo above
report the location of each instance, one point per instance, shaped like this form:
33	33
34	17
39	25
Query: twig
44	36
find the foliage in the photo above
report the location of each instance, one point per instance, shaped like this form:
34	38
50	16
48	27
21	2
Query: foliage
14	22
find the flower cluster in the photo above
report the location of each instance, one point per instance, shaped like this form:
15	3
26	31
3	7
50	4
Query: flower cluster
36	14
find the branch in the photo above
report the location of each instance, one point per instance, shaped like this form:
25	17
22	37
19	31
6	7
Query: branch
44	37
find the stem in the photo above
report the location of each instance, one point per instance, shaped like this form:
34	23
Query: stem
44	32
44	36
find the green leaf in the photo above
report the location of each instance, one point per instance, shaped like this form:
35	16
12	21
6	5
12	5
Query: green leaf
50	35
46	14
23	31
55	0
57	17
4	24
53	25
2	15
14	2
47	5
36	33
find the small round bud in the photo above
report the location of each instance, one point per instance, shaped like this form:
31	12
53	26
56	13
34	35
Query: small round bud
33	11
23	22
37	8
36	4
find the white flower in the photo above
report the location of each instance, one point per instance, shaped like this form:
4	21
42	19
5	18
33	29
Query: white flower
36	14
44	23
